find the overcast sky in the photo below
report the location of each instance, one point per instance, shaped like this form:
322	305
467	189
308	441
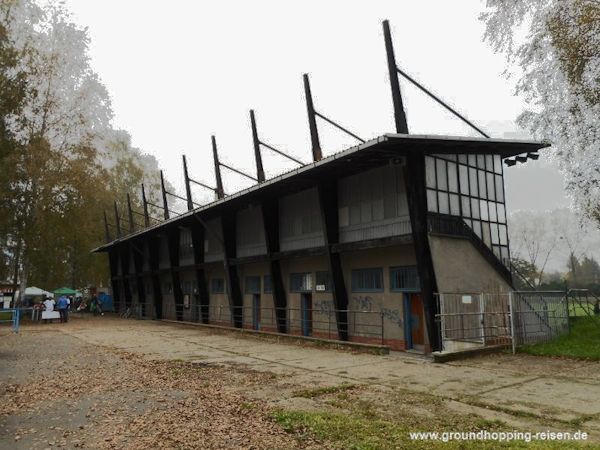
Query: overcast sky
180	71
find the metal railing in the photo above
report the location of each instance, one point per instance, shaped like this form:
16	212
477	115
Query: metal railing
14	320
317	322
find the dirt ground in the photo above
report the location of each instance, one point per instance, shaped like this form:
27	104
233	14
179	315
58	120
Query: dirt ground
111	383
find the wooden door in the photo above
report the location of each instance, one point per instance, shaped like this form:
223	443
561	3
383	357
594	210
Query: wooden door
416	320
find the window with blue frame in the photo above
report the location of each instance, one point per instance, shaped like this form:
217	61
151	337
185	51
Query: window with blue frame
404	279
301	282
217	286
267	284
367	280
252	285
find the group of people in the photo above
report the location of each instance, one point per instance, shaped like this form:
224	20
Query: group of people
65	303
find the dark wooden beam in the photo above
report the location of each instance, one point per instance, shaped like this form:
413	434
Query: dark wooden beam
188	188
270	216
414	178
198	236
145	203
312	121
399	114
130	214
164	196
117	220
153	243
236	300
173	236
220	191
260	173
328	203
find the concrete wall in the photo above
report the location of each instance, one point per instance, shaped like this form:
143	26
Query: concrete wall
219	312
267	318
459	267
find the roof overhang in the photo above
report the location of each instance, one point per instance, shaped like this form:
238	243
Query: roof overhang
370	154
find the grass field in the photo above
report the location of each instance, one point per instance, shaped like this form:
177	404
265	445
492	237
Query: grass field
583	342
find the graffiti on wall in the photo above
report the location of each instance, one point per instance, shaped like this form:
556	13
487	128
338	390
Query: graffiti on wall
363	303
366	304
393	315
324	307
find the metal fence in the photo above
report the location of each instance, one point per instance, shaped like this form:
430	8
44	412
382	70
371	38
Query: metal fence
12	317
470	320
368	326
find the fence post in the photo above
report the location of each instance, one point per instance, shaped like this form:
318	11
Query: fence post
511	310
568	311
482	312
382	333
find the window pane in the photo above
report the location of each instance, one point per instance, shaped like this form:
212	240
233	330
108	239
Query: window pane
454	205
499	188
466	206
489	163
267	284
432	205
497	164
503	236
369	280
404	278
501	213
464	179
493	216
482	186
443	203
323	282
472	161
491	186
452	177
462	159
477	228
430	171
494	230
475	208
473	182
485	234
442	174
483	210
252	285
480	162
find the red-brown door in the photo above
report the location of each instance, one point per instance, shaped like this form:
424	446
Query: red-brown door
416	319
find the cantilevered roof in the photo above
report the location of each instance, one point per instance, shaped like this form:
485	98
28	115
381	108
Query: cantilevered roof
362	157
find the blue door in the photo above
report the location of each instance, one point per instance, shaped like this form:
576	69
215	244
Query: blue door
256	311
306	314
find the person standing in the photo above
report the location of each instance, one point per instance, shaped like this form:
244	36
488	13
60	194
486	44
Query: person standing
61	305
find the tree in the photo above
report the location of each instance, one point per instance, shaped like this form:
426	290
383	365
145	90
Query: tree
557	63
68	163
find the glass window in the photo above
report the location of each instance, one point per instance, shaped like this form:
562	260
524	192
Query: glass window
430	171
499	188
452	177
217	286
497	164
493	216
495	236
432	201
462	159
489	163
301	282
367	280
466	206
442	174
464	179
404	279
503	236
323	282
480	162
482	186
454	205
483	210
472	161
501	213
477	228
252	285
475	208
486	235
473	182
267	284
491	186
443	203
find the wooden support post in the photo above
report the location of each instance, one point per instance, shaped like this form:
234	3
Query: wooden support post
188	189
130	214
260	173
117	220
106	230
164	196
113	261
328	202
236	300
138	264
125	261
270	215
399	114
173	235
198	246
219	180
153	242
414	178
312	121
145	203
